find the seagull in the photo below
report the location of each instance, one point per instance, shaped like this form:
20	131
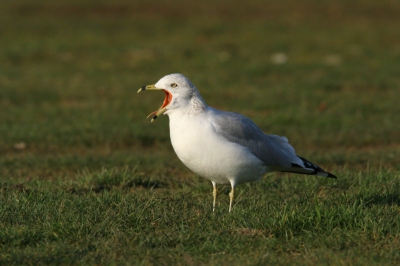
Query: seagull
224	147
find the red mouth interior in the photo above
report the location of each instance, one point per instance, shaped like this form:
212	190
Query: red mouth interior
167	100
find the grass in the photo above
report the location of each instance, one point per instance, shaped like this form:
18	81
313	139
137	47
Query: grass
85	179
121	217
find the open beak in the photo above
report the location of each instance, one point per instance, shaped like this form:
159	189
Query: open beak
163	108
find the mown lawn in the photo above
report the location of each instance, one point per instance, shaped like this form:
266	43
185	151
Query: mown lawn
86	180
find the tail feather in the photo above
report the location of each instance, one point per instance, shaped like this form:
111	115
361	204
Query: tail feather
308	169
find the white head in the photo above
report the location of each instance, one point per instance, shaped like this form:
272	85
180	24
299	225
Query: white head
180	94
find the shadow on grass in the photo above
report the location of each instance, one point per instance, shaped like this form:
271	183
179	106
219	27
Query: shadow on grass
95	187
137	183
387	199
15	187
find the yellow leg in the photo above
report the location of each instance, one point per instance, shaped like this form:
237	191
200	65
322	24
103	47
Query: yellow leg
214	195
231	196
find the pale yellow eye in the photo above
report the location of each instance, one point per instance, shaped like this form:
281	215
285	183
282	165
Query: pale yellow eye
174	85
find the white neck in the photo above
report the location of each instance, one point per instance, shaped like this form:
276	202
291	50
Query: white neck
196	105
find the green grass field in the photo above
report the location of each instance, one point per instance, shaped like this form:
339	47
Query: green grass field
86	180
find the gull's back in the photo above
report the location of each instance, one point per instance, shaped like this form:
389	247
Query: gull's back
272	150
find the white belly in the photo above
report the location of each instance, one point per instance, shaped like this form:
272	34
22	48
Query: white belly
212	156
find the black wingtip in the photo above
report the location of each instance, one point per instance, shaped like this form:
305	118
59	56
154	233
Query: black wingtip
317	170
331	175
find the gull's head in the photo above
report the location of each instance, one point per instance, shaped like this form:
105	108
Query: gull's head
178	93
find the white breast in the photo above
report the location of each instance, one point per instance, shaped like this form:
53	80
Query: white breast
210	155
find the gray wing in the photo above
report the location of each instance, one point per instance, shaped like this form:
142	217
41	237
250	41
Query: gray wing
273	150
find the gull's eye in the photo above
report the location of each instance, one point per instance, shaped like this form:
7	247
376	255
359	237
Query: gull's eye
174	85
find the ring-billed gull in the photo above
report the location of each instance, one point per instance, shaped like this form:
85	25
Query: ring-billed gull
224	147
